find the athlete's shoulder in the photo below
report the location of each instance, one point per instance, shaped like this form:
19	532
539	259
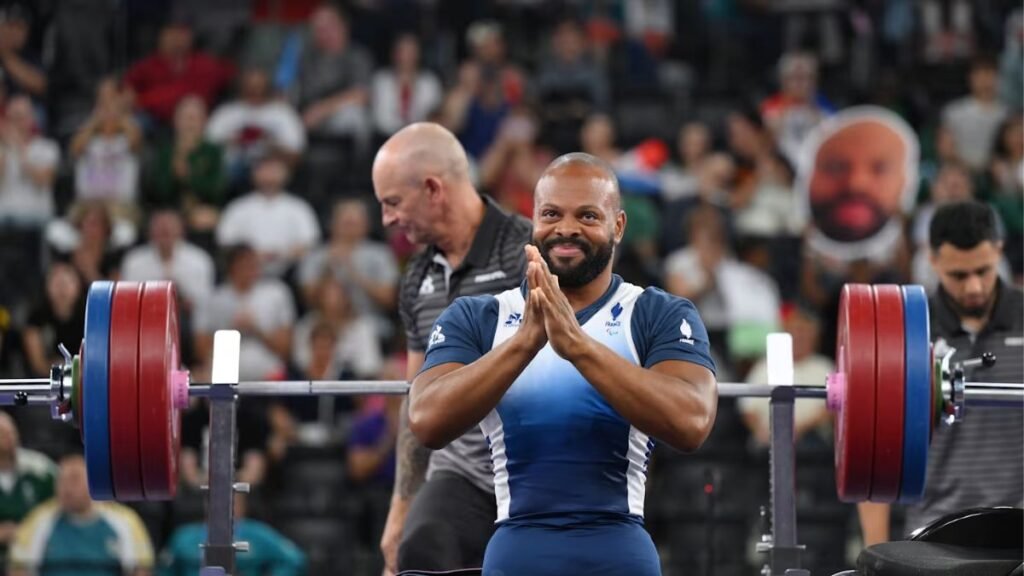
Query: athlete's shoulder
476	304
656	300
668	327
463	331
466	314
626	291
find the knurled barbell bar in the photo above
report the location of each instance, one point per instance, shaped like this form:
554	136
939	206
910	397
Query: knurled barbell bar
125	390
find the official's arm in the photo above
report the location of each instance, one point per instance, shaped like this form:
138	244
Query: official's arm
411	461
412	456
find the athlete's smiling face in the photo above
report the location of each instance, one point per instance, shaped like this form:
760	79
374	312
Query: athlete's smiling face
577	221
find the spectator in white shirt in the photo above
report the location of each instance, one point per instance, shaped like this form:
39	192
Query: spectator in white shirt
974	119
105	150
28	166
262	309
92	238
732	296
367	269
168	256
280	226
357	349
404	93
693	144
809	367
255	125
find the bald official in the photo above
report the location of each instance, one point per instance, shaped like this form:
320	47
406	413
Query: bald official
427	155
570	375
443	506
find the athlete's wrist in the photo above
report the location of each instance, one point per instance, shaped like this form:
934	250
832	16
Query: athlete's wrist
526	345
581	348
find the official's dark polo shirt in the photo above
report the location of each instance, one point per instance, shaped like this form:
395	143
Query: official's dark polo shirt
979	461
496	262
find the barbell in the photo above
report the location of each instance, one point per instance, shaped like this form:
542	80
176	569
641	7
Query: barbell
125	391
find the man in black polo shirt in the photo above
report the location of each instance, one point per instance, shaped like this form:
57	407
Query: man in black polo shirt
421	178
977	461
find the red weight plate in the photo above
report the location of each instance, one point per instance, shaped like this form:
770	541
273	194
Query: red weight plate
124	391
159	420
890	374
855	423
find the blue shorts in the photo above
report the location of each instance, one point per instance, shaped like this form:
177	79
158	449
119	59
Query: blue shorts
601	549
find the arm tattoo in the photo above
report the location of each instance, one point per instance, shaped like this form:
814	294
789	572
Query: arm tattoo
413	457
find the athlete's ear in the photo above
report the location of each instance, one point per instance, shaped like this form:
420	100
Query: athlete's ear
620	225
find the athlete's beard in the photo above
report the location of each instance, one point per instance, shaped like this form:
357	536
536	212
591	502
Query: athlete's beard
595	260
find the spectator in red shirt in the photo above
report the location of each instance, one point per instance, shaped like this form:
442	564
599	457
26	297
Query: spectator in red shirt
162	80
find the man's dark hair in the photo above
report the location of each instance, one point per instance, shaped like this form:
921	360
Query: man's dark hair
235	252
964	225
750	112
984	62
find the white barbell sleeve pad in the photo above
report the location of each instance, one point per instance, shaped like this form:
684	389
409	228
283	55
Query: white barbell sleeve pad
226	351
780	359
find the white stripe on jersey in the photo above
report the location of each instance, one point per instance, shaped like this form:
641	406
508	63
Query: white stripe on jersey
636	474
495	432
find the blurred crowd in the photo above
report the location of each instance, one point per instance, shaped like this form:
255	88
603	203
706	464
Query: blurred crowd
227	146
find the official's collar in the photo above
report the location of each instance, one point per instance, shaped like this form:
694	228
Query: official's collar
484	239
486	234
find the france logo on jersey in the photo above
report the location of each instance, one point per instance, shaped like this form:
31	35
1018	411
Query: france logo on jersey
557	446
687	332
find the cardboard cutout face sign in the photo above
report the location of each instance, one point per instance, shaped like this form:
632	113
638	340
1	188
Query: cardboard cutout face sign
858	175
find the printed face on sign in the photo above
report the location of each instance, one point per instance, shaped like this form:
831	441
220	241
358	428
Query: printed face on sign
858	172
858	180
